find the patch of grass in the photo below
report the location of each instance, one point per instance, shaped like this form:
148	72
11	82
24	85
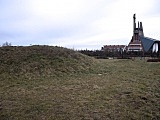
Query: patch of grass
106	89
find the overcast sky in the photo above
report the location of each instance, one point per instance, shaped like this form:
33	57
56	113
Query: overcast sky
77	24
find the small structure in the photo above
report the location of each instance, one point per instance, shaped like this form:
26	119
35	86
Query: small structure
113	48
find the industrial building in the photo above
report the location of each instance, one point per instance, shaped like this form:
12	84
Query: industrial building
138	41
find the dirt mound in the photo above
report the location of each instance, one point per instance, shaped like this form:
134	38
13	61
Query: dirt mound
42	60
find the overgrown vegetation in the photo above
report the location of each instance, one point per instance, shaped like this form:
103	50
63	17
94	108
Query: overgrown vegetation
104	54
42	82
153	60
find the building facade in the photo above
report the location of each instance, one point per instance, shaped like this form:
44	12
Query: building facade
113	48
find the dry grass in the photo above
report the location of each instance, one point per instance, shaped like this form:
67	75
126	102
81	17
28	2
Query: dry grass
109	89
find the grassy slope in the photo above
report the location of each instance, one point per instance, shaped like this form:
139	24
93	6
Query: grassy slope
42	60
108	89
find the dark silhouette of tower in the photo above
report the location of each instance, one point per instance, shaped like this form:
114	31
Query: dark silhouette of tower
135	43
137	31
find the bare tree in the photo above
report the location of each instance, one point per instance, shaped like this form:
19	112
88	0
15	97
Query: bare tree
6	44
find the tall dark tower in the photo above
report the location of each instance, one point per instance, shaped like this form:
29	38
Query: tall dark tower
141	30
134	23
135	43
137	31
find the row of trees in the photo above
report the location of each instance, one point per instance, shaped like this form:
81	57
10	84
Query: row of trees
6	44
118	54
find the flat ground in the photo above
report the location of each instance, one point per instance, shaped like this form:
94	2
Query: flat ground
112	89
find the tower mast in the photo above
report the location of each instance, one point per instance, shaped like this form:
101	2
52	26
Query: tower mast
134	23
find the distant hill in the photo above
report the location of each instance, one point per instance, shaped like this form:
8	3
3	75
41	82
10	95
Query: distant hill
42	60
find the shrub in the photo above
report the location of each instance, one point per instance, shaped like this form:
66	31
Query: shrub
153	60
